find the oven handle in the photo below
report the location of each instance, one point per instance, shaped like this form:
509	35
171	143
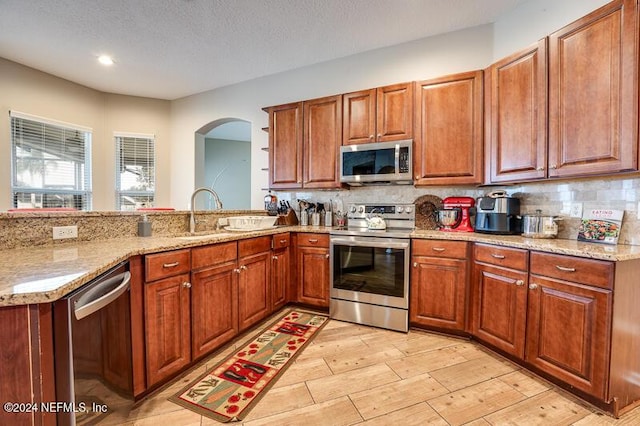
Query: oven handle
369	243
86	305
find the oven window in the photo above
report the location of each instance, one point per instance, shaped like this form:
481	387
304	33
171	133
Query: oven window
369	270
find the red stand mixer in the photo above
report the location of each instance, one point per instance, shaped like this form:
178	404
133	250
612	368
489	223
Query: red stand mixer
455	214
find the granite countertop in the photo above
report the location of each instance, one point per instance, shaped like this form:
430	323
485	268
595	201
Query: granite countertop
44	274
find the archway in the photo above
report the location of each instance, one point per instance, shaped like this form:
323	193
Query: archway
223	163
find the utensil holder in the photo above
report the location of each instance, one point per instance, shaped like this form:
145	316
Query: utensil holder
290	218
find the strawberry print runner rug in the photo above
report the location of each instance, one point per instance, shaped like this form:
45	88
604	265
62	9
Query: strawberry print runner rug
234	386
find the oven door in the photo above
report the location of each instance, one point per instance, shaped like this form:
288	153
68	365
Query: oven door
370	270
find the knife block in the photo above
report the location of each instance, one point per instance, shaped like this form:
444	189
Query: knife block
290	218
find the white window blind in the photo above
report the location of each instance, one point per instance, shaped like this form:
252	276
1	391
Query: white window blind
135	171
51	163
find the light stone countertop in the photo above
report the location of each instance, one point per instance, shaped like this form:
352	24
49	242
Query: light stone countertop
44	274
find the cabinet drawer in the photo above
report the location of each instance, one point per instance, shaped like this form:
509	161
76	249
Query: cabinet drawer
162	265
310	239
501	256
598	273
281	240
440	248
213	254
254	245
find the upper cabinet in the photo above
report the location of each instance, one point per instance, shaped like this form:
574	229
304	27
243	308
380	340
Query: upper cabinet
516	116
285	146
449	139
322	140
378	115
593	93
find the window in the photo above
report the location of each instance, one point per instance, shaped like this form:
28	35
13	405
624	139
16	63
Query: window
135	171
50	162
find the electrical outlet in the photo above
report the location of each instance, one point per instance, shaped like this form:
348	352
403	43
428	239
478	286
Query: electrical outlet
576	210
62	232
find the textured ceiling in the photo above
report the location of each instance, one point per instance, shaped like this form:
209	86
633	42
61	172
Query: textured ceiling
168	49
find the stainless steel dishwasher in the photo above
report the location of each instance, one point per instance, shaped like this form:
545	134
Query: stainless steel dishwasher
92	346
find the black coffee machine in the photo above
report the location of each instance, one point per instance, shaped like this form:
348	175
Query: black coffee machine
497	213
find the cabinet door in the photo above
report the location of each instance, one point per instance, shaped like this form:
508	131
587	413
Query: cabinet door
280	264
499	308
211	327
167	324
394	112
359	117
593	98
568	333
322	141
438	292
285	146
449	127
253	289
516	118
313	276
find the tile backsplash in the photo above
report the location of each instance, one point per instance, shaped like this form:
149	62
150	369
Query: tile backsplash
552	197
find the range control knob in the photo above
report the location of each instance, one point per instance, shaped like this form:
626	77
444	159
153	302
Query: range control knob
408	209
399	209
361	209
352	209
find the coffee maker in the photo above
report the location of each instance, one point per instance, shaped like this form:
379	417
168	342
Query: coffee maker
497	213
455	214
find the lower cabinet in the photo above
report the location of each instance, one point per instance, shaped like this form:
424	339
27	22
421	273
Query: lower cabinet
499	297
312	267
280	270
439	284
254	259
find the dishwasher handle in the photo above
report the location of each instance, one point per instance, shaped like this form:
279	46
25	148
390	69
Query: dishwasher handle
95	299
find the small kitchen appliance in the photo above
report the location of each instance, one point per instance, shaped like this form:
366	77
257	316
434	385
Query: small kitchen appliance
498	213
455	214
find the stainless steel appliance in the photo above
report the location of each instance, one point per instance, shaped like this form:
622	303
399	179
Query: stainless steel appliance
498	213
92	345
370	267
539	226
376	163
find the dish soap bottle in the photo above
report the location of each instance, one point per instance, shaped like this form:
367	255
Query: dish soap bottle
144	226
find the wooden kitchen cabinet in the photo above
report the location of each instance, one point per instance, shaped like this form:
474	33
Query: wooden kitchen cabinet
449	138
312	269
214	280
593	93
285	146
516	116
378	115
254	259
280	270
499	297
569	320
439	282
321	142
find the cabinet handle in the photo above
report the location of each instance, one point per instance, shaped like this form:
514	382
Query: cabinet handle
274	257
313	240
565	269
497	256
283	241
186	284
440	249
415	264
533	286
170	265
243	268
520	283
236	270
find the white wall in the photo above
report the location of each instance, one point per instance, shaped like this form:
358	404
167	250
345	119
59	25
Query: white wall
228	164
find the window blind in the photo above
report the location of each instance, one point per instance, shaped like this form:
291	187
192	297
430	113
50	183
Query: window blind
135	171
51	163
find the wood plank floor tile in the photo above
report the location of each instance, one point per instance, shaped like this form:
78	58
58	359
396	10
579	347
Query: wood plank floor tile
425	362
350	382
303	370
525	383
335	412
340	362
416	415
599	419
325	349
387	398
474	402
425	342
281	400
547	408
182	417
469	373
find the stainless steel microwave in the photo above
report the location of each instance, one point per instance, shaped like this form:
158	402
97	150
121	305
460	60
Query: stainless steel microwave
379	162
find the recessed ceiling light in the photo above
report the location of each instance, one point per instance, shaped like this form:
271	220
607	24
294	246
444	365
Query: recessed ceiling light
105	60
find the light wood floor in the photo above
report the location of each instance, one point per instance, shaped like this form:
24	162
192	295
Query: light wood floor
353	374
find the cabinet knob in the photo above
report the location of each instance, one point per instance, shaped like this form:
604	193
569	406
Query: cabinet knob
370	137
236	270
553	167
533	286
520	283
186	284
327	255
540	168
243	268
415	264
379	136
274	257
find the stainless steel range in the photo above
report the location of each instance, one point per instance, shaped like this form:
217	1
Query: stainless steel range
370	266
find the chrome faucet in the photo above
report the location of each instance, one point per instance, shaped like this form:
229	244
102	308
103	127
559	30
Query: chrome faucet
192	219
